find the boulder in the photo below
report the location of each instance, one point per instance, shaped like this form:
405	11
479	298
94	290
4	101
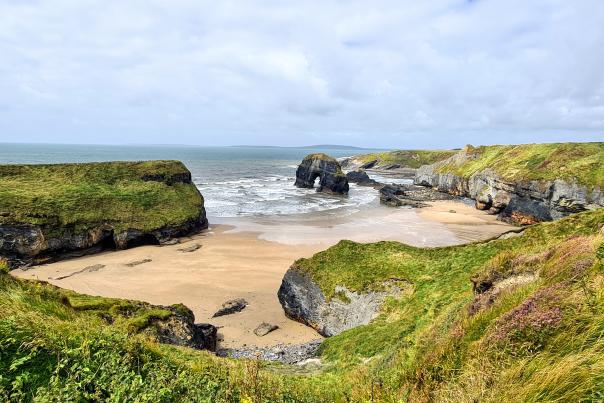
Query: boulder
180	329
265	328
361	178
230	307
410	195
324	167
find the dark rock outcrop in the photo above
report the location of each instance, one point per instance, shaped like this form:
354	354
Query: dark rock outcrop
180	329
410	195
361	178
303	301
522	202
324	167
230	307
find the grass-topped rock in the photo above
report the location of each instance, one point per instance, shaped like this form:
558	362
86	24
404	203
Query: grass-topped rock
324	167
524	183
52	211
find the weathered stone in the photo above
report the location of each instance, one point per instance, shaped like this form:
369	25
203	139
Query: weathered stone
265	328
324	167
138	262
361	178
410	195
190	248
521	202
230	307
180	329
303	301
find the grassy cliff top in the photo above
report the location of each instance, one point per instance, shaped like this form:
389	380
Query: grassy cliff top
581	161
406	158
319	156
139	195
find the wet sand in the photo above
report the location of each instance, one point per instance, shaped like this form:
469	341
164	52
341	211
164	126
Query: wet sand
246	258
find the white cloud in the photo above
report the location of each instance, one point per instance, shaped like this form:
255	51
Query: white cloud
382	73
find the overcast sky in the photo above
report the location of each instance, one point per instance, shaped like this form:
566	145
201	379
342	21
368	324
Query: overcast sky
405	74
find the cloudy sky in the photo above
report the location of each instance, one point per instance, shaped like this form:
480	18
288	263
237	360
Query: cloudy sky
433	73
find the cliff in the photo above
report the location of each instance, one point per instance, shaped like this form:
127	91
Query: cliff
523	183
48	212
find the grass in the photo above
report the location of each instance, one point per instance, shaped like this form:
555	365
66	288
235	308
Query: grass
406	158
524	347
583	162
55	346
85	195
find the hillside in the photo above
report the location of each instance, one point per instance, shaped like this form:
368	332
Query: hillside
402	158
517	319
51	208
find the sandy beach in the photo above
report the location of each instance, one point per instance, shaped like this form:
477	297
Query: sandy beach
247	257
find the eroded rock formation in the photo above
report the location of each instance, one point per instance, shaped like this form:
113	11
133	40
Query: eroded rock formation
324	167
521	202
303	301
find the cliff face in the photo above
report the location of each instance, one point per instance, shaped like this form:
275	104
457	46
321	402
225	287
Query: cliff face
49	212
303	301
324	167
521	200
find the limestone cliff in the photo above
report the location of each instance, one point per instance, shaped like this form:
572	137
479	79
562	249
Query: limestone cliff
508	187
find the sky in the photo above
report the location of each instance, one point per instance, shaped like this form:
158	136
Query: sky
375	73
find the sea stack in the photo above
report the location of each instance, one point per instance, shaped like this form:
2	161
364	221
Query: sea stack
324	167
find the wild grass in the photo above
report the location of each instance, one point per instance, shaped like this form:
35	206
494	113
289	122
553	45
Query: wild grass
85	195
583	162
407	158
50	351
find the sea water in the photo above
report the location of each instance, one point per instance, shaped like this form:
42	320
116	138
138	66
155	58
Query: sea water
235	181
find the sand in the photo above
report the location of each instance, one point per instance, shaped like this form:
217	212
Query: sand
246	258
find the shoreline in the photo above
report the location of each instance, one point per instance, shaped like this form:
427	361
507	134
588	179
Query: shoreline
247	258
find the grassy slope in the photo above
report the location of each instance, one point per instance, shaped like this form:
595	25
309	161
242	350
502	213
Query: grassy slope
581	161
87	194
428	346
406	158
56	345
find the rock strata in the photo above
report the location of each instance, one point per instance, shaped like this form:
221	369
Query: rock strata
230	307
44	238
522	202
324	167
304	301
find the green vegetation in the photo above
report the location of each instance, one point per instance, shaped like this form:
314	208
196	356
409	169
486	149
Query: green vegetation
581	161
540	340
406	158
56	345
84	195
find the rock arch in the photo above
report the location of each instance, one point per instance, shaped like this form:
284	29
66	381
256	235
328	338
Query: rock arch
324	167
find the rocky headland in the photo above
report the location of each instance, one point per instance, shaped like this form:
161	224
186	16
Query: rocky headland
50	212
523	184
324	167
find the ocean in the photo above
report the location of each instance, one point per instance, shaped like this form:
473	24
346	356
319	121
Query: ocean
235	181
